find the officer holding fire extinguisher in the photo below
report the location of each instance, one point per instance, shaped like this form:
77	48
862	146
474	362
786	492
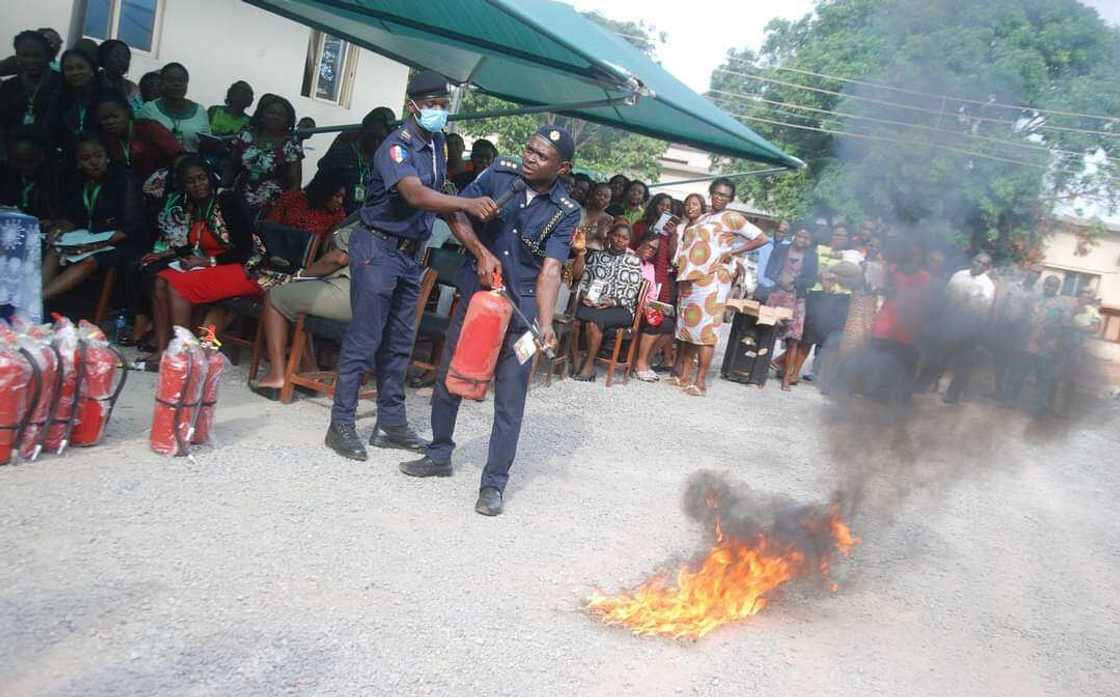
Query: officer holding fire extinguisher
527	243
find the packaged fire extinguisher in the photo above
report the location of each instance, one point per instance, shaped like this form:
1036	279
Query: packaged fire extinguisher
216	363
480	343
99	382
36	341
64	341
178	393
20	381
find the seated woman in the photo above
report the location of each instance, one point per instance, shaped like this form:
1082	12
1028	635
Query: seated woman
115	58
185	119
266	158
143	146
230	118
106	199
608	293
792	269
26	180
327	296
316	209
212	265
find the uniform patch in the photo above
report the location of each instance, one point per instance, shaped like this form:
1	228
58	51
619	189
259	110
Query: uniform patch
397	154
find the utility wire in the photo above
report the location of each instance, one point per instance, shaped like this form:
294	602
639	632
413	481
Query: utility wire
963	100
907	107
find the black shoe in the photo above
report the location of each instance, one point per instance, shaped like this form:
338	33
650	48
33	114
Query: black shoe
426	467
489	502
344	440
399	437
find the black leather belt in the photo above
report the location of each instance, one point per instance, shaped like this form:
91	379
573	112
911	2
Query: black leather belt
402	244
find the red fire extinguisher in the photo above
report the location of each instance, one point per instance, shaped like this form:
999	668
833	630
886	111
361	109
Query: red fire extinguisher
98	394
216	363
182	375
36	341
20	381
64	340
480	343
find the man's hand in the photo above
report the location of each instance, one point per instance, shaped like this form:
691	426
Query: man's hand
548	338
489	268
483	208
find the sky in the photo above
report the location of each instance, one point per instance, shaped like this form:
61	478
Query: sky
699	37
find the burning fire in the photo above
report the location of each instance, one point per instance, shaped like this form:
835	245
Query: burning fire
733	581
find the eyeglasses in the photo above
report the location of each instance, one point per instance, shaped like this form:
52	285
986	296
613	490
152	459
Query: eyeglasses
720	194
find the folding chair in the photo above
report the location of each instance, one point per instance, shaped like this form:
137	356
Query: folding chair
625	339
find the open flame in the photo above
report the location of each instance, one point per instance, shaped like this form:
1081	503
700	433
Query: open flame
734	580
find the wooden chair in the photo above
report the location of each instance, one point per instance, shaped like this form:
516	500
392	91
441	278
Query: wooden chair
623	343
433	326
562	320
323	381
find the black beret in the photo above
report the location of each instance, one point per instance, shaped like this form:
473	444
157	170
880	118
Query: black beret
560	139
427	83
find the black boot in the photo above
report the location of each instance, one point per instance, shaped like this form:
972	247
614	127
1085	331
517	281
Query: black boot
344	440
399	437
489	502
426	467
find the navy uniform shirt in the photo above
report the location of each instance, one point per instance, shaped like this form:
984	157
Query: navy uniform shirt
527	231
404	153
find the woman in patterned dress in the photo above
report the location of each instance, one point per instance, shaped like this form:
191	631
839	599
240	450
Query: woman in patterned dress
793	269
705	265
266	158
608	294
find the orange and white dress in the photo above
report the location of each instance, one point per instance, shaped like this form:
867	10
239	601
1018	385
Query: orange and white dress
704	278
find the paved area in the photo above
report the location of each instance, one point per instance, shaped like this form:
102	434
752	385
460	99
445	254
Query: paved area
271	567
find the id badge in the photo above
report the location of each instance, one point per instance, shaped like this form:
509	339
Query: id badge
525	347
359	193
595	290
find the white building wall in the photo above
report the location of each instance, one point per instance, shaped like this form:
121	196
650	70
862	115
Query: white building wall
1102	260
221	41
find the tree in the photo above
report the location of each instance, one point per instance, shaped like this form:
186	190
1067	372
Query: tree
963	162
601	149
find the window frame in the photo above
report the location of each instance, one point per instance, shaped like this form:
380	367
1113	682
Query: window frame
314	59
115	26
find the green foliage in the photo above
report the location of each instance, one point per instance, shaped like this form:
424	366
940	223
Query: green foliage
971	170
601	150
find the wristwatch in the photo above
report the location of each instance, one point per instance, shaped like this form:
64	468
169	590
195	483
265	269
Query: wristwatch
213	261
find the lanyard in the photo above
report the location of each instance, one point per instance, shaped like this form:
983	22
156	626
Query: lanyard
25	196
126	147
81	118
89	197
29	115
362	171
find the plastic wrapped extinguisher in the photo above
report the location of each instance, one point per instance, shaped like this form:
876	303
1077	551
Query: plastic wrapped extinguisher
216	363
36	341
178	394
64	340
480	343
20	382
99	382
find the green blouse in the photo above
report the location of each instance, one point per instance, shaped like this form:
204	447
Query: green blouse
223	123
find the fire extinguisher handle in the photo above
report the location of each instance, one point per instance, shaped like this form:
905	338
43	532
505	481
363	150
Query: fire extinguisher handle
496	280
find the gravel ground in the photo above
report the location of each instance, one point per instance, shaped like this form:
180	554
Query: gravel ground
271	566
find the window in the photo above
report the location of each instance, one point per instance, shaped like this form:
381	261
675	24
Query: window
1075	282
329	74
131	21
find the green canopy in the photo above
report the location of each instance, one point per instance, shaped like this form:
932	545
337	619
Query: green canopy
536	52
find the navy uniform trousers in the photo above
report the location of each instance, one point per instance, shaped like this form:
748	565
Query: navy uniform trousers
384	287
511	383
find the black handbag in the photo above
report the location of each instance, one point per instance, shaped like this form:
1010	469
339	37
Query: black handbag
287	248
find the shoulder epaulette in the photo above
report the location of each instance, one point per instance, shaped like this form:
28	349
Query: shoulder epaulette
504	165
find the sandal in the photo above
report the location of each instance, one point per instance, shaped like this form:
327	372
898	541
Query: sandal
147	364
579	378
647	376
677	381
695	391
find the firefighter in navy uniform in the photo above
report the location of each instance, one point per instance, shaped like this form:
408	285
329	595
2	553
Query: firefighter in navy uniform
402	198
528	242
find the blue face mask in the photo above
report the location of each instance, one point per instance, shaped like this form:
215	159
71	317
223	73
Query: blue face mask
432	120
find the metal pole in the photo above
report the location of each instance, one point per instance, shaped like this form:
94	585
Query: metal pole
736	175
628	99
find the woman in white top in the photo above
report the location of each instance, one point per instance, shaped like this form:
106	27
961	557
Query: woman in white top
184	118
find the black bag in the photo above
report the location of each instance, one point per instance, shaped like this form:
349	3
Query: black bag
287	249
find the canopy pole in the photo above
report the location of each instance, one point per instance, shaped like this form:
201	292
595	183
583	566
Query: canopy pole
735	175
475	116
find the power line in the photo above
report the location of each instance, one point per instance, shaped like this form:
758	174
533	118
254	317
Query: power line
868	136
907	107
963	100
1001	141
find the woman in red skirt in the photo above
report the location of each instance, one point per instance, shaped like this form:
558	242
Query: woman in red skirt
215	262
